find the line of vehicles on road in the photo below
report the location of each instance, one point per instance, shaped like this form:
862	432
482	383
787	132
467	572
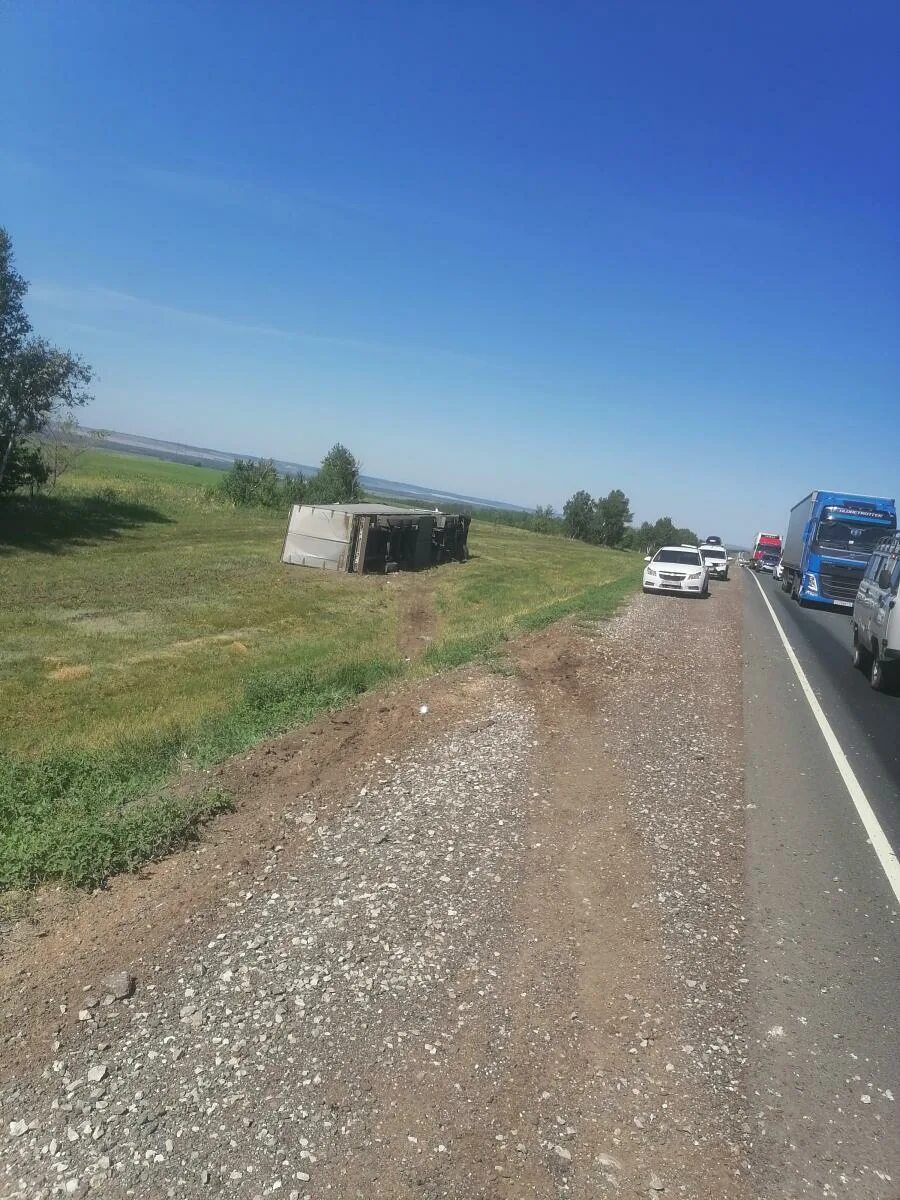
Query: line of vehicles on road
842	552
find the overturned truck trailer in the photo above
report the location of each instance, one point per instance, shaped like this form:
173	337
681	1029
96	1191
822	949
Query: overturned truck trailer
373	537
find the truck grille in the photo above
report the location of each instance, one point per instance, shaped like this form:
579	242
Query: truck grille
839	582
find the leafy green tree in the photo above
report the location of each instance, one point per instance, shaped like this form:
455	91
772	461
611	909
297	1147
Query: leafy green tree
338	479
14	324
251	481
37	381
642	537
544	520
664	532
62	445
579	515
613	517
26	467
293	488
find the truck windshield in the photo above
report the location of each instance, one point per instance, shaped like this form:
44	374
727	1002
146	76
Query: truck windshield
842	535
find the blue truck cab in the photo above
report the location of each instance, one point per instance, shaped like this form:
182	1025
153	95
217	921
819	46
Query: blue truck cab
830	537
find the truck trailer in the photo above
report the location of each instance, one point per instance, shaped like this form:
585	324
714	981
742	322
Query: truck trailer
365	538
830	538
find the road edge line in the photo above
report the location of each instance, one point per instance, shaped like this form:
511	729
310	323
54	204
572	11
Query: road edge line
877	838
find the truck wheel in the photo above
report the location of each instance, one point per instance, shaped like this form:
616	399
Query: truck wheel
785	582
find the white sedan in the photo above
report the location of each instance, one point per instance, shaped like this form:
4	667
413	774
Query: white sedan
676	569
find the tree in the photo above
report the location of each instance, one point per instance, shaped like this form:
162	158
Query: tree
687	537
664	532
545	519
579	514
613	517
248	482
293	488
14	324
26	467
62	444
642	537
338	479
37	381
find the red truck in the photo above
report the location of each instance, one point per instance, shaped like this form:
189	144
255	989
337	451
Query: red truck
766	552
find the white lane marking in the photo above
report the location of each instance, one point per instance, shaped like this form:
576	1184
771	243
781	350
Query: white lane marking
880	844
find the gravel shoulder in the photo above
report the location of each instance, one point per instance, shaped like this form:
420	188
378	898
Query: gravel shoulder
494	949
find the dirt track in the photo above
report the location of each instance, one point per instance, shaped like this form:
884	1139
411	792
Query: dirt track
492	950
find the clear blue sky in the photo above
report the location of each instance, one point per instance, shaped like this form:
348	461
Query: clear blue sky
506	249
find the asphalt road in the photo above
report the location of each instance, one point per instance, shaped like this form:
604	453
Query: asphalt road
822	932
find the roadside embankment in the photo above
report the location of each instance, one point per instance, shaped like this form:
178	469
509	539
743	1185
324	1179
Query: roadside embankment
448	953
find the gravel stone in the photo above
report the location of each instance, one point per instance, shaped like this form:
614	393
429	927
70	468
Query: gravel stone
118	984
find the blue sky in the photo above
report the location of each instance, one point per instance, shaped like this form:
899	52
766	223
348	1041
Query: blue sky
505	249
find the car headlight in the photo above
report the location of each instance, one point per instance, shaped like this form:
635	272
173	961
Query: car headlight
695	575
650	571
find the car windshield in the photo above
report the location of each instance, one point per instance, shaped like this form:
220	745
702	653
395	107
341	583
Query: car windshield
684	558
843	535
712	552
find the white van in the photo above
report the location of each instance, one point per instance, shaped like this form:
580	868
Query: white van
716	559
876	620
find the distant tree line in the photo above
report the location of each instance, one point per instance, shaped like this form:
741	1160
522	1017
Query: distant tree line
256	482
663	532
606	521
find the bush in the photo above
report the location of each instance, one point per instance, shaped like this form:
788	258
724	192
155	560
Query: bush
26	469
249	483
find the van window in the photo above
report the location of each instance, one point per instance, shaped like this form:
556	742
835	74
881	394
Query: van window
874	568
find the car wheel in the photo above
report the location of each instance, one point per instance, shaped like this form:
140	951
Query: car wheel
882	673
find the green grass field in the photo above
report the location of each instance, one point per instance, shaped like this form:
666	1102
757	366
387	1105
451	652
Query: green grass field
144	625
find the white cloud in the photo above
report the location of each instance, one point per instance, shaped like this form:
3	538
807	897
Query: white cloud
78	301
